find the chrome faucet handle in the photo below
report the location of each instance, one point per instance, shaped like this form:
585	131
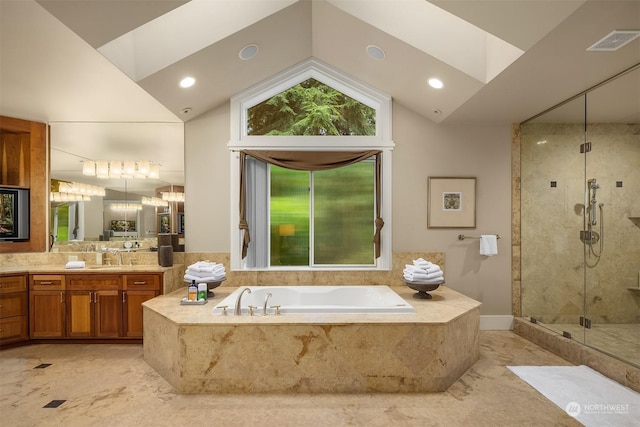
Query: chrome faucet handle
251	307
224	309
277	307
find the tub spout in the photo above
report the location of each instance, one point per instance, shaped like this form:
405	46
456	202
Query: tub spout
264	307
237	309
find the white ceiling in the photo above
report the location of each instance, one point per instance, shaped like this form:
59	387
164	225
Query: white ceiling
52	69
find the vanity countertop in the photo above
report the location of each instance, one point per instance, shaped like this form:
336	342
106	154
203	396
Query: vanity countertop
93	269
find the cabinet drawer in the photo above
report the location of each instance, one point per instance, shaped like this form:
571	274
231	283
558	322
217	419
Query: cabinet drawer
13	284
141	282
13	329
13	304
94	282
47	282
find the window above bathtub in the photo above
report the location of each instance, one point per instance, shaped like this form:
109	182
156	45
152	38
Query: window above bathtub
297	210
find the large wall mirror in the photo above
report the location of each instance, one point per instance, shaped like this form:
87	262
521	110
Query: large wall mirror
118	206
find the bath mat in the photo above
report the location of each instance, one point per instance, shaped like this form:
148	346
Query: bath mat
585	394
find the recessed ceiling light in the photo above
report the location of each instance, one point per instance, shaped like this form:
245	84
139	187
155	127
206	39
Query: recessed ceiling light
248	52
436	83
187	82
375	52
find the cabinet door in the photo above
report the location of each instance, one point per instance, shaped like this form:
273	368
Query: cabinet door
13	329
80	319
108	314
132	301
46	314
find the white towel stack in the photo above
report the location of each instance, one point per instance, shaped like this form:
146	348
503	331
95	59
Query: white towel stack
423	272
205	271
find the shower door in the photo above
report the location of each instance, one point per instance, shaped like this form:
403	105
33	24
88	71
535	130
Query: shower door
611	230
552	208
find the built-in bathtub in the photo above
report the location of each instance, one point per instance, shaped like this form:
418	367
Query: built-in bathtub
315	299
198	351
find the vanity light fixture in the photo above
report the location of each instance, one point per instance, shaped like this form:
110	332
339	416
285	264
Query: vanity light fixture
118	169
154	201
173	196
74	191
435	83
187	82
126	206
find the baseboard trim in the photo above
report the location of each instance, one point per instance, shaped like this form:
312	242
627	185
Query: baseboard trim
496	323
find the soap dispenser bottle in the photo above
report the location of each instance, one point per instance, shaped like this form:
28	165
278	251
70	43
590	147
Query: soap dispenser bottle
193	291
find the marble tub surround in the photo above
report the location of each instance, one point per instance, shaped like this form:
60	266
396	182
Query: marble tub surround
111	385
198	352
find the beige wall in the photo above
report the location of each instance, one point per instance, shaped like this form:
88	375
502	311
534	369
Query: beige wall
423	149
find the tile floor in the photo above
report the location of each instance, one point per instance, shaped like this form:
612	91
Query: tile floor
111	385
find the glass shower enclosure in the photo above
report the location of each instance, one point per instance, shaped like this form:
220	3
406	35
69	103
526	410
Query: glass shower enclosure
580	217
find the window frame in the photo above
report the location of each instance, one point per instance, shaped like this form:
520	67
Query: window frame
371	97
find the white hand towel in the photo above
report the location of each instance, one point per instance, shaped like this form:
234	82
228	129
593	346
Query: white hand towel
488	244
75	264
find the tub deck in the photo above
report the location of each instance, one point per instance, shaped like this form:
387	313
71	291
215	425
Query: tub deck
199	352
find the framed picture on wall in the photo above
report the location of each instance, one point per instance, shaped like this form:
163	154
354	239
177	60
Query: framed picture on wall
451	202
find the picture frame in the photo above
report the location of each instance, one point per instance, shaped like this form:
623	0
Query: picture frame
451	202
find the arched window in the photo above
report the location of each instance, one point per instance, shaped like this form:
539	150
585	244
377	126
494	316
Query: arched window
311	173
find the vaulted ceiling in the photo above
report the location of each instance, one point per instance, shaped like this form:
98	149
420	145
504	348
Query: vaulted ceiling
501	62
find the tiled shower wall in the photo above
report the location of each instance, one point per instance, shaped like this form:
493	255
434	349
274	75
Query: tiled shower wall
552	194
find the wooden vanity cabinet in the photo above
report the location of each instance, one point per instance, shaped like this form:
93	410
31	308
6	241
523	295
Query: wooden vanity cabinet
46	306
94	307
138	288
89	306
13	309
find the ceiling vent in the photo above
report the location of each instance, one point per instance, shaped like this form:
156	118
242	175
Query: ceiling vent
614	40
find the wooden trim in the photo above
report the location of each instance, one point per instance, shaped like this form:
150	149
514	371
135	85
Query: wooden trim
33	174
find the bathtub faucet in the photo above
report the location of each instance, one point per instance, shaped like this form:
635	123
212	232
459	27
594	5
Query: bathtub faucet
264	307
237	310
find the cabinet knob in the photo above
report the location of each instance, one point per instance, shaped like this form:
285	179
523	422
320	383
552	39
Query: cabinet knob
140	283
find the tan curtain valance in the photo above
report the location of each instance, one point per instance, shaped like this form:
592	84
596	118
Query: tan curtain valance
308	161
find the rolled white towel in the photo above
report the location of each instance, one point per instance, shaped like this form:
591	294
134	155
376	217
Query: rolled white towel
420	262
435	281
197	273
205	266
422	276
410	267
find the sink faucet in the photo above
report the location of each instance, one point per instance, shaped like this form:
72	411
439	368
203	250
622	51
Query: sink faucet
264	307
237	309
118	254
